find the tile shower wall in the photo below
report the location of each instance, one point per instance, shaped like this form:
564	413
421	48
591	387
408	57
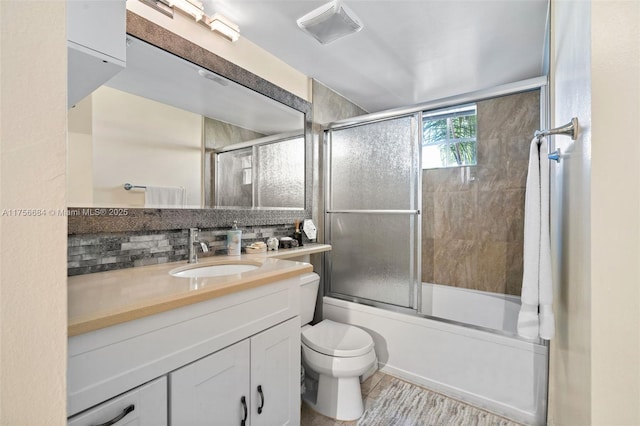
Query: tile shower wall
473	217
88	253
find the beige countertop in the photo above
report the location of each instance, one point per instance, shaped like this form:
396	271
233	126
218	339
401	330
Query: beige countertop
103	299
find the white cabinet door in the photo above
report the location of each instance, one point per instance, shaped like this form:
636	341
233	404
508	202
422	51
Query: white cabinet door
275	375
97	45
146	405
261	374
99	25
210	391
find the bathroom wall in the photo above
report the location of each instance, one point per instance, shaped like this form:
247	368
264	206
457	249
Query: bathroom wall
594	370
473	217
615	212
570	351
33	291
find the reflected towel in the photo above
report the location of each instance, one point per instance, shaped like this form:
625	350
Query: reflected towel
165	197
536	314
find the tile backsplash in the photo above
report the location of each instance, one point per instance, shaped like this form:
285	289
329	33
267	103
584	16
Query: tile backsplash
89	253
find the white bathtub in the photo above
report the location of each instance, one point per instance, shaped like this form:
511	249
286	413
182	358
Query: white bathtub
495	371
479	308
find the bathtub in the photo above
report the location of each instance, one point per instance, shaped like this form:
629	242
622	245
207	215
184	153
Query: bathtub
491	369
497	312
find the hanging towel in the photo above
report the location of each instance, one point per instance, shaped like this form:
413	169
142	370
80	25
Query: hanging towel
165	197
536	314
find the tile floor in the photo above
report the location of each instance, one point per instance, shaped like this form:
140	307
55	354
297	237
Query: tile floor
379	386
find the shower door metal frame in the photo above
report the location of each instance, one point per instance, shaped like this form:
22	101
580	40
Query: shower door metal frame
537	83
415	287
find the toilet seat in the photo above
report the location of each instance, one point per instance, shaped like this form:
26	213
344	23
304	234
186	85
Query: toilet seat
337	340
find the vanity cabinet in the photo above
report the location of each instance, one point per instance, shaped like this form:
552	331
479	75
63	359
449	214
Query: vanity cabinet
254	382
146	405
96	44
209	354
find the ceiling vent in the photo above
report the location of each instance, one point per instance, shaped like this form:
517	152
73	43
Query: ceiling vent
330	22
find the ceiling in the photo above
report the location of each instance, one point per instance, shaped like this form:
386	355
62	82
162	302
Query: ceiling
409	51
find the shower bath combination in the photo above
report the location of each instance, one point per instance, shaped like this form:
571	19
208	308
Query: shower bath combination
441	295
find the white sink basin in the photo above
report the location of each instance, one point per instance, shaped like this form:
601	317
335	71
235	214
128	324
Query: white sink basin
212	270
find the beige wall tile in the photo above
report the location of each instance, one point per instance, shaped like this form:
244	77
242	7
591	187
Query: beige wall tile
473	219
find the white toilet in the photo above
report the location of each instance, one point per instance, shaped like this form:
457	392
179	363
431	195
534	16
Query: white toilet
337	355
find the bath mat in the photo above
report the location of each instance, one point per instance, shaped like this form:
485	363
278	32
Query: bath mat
403	404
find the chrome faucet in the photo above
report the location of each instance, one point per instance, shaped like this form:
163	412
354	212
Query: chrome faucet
194	242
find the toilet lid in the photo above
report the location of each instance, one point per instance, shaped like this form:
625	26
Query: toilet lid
336	339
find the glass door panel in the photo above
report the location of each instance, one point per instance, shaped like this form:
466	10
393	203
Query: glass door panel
372	257
373	166
372	211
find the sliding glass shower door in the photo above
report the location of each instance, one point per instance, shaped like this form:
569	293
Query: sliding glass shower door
372	215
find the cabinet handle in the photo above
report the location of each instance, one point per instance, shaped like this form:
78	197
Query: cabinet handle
243	400
119	417
261	399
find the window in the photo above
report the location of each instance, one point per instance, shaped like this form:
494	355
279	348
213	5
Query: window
449	137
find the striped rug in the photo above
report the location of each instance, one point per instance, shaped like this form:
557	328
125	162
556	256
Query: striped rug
403	404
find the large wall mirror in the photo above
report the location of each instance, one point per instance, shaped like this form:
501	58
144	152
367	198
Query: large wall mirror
182	128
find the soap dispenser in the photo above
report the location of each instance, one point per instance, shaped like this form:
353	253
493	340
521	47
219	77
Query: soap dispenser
234	240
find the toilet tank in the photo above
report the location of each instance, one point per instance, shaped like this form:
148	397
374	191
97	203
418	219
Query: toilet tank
308	293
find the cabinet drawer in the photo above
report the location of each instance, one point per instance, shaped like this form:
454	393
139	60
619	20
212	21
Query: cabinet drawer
146	405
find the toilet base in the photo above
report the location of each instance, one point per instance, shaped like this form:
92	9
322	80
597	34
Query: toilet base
338	398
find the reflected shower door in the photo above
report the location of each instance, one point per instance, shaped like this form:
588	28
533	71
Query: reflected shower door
372	211
280	174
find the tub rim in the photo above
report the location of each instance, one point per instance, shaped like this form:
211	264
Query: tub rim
414	317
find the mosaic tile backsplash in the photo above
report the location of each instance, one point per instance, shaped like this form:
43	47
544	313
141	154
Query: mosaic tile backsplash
89	253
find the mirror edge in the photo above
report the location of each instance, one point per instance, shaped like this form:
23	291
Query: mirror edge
82	220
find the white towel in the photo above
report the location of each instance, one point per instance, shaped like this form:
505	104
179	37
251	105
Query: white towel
165	197
536	313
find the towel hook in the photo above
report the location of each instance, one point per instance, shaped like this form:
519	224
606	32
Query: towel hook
569	129
555	155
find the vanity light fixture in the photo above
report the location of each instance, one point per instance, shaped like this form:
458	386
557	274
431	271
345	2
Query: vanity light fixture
221	25
218	23
330	22
190	7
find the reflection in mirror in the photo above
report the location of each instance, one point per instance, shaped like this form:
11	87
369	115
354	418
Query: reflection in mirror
157	124
262	175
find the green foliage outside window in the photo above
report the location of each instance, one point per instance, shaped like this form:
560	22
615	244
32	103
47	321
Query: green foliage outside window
451	135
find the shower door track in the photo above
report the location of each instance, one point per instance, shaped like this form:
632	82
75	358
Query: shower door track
505	89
